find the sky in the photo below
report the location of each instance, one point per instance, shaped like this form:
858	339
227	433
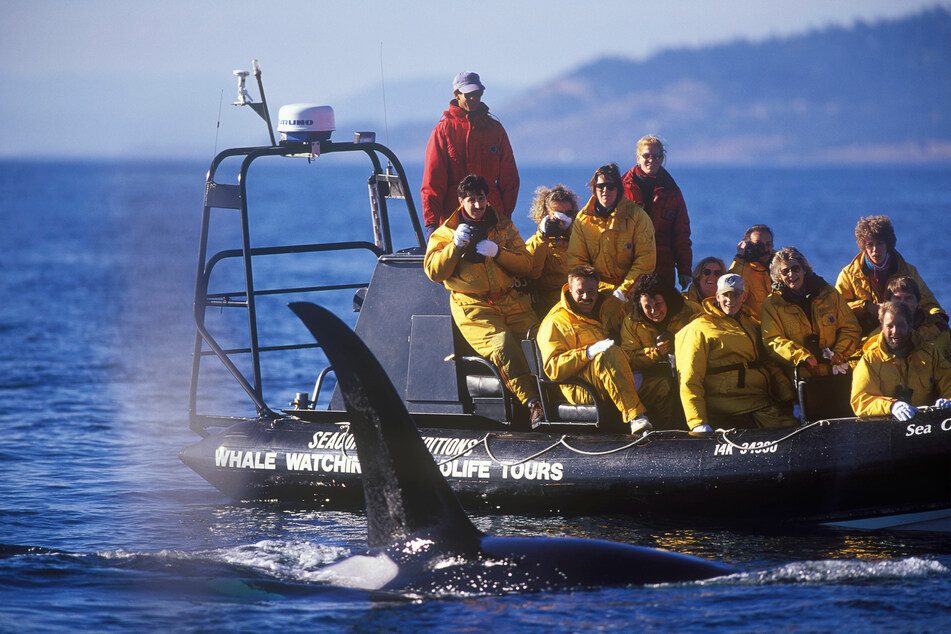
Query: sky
114	63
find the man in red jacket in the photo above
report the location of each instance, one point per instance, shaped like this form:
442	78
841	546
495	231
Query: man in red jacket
467	140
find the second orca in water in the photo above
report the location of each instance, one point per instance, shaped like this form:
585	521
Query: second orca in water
420	540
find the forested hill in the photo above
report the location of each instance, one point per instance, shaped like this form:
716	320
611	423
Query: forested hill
869	93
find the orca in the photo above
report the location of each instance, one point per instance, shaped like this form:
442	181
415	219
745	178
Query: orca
420	542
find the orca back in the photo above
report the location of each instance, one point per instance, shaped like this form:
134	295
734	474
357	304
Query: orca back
405	492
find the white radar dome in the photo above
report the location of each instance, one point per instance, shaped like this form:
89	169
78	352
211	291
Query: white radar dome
305	122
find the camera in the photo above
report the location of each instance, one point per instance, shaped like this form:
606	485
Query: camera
479	232
754	251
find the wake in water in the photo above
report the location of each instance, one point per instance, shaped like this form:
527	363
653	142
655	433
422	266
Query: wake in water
278	569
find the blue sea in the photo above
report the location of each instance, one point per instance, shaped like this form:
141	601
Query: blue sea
102	528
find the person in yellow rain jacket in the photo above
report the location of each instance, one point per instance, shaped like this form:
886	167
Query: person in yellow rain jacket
576	342
476	253
705	276
753	255
554	210
926	328
647	338
724	378
897	373
862	282
805	320
612	234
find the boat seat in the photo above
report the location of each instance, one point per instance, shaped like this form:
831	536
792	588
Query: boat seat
824	397
483	385
485	388
556	408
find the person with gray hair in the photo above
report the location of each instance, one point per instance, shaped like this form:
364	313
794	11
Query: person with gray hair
805	319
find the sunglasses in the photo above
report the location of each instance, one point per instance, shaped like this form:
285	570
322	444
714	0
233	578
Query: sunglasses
708	272
648	156
608	186
795	268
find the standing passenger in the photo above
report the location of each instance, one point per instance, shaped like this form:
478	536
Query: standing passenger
612	234
651	186
554	210
476	254
467	140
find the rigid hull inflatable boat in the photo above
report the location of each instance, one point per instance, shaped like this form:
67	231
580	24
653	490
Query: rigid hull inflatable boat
833	468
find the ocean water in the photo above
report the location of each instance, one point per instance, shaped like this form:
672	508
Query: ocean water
102	528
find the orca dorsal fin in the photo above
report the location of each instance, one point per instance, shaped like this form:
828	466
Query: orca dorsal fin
405	492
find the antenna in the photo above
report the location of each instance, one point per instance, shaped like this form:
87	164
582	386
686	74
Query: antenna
221	98
386	125
244	98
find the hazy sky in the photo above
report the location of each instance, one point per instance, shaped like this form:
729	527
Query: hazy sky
323	51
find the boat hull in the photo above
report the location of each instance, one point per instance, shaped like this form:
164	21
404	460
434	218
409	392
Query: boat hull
823	472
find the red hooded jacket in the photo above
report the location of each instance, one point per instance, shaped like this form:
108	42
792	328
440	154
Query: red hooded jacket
668	212
464	143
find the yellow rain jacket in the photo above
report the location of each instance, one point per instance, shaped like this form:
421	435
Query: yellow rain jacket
549	270
786	326
880	375
563	339
639	342
756	282
491	316
858	290
620	247
723	372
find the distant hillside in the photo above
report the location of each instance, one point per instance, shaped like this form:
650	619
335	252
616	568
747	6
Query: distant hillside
871	93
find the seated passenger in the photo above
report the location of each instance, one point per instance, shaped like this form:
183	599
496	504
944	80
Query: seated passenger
647	337
897	373
612	234
862	282
476	253
805	320
651	186
554	210
929	328
725	379
705	276
753	255
575	340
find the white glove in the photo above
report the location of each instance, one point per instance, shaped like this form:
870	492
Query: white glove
563	219
684	280
942	403
621	296
461	236
797	411
903	411
487	248
599	347
840	368
702	428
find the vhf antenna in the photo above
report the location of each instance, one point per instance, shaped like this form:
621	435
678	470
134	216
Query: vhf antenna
244	98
